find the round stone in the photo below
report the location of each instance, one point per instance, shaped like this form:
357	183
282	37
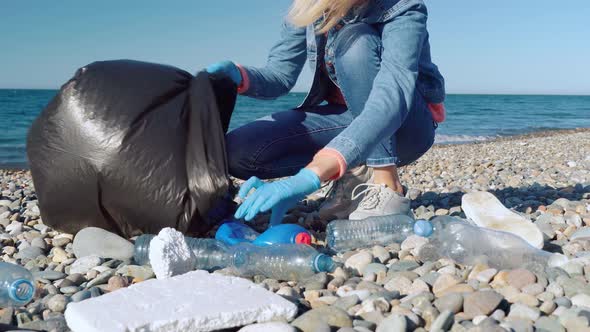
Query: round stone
81	295
481	303
581	300
59	255
394	322
452	302
520	278
400	284
358	262
525	312
84	264
444	282
39	243
117	282
533	289
69	289
330	315
374	268
57	303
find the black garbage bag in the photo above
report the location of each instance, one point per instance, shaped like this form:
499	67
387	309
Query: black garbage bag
132	147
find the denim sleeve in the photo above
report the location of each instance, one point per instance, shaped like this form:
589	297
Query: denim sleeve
284	64
393	89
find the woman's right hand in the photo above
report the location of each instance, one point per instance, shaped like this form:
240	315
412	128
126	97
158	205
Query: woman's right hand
226	68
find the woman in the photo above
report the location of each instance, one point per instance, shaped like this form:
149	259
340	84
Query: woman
372	65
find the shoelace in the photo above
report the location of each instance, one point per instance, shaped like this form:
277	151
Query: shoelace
371	198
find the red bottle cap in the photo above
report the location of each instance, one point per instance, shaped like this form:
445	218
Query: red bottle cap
303	238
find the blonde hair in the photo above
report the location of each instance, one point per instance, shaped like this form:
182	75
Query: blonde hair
307	12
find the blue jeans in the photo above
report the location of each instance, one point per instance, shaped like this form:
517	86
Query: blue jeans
281	144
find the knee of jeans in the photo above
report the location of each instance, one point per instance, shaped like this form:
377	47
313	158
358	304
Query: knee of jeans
238	156
356	43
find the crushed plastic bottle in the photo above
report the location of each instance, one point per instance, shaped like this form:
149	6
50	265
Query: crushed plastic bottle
16	285
234	232
469	245
343	235
279	261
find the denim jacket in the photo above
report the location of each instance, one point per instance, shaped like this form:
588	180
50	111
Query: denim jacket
406	67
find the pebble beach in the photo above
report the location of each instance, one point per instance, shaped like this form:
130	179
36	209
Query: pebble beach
544	176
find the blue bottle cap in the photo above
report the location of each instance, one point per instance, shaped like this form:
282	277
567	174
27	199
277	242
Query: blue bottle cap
21	291
423	228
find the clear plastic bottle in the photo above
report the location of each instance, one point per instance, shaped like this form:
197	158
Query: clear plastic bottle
280	261
469	245
16	285
343	235
210	254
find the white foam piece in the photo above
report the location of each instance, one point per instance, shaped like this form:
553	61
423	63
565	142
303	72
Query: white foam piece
196	301
485	210
169	254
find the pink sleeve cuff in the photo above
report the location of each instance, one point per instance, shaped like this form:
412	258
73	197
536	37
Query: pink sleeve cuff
339	158
245	85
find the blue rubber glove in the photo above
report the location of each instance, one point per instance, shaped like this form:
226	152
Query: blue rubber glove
226	68
279	196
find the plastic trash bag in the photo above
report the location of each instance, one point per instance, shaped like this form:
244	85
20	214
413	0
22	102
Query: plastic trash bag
132	147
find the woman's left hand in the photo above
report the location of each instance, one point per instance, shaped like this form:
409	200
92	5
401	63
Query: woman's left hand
279	196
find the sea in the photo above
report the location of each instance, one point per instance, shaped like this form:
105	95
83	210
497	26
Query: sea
470	118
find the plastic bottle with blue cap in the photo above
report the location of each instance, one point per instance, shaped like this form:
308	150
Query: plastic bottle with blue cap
16	285
344	235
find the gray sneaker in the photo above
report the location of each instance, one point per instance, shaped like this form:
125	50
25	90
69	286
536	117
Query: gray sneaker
379	200
338	203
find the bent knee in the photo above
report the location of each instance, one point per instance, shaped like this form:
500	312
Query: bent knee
239	155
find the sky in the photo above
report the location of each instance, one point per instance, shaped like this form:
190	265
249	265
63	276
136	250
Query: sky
502	46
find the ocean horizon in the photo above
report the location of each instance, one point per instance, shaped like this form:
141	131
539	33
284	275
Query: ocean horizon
470	117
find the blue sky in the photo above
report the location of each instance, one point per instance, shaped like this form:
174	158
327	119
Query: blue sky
502	46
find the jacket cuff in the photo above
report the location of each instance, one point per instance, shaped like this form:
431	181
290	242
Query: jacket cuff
339	158
245	85
438	112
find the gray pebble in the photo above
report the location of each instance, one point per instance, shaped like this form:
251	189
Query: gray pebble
548	324
49	275
363	323
84	264
563	302
100	279
346	302
51	289
393	323
60	242
29	253
69	289
77	279
39	243
95	291
402	266
443	322
57	324
57	303
81	295
452	302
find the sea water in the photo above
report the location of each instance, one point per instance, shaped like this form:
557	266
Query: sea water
469	117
